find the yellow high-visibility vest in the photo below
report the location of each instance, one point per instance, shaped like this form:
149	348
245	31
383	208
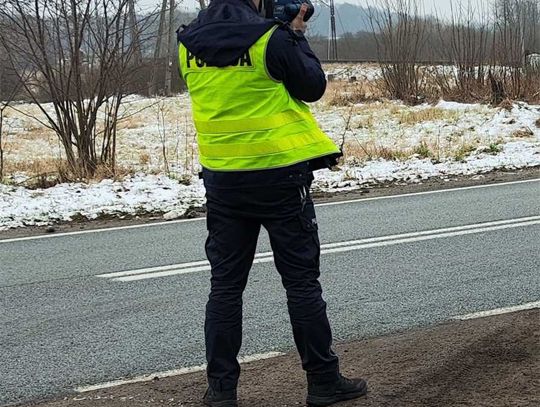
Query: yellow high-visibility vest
245	120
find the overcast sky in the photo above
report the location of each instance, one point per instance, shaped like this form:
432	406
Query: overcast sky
431	6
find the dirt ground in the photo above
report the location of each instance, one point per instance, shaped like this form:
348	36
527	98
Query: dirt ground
391	188
488	362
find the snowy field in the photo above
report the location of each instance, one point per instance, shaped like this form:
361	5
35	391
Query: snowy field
384	142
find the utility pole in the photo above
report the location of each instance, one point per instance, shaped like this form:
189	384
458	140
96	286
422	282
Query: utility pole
333	34
159	40
170	50
164	41
135	37
332	50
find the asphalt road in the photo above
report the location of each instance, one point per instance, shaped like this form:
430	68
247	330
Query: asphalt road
71	315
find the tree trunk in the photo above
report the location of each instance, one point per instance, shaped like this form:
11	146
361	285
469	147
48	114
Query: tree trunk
1	144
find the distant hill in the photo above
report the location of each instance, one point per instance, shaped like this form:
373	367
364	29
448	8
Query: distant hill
350	18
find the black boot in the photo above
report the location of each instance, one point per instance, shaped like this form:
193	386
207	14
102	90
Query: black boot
326	394
226	398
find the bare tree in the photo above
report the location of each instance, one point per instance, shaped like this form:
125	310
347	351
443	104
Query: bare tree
400	34
165	47
465	41
4	103
516	32
9	88
80	56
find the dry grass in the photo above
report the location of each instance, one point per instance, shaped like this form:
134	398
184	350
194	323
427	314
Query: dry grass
371	150
366	116
507	105
144	158
523	133
424	115
32	167
464	151
107	172
342	93
47	172
367	123
43	173
423	150
132	122
34	131
493	149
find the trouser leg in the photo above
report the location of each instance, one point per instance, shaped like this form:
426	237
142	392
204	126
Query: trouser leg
295	242
230	249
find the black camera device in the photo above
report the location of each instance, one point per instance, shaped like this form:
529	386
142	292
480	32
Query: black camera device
287	10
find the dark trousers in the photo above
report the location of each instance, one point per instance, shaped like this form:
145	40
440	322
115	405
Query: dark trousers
234	220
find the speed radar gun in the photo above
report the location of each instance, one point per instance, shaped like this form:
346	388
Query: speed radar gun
286	10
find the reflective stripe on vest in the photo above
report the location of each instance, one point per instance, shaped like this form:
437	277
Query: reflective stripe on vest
252	124
245	120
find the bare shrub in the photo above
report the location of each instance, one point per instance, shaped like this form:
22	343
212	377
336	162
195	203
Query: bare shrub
483	52
515	30
400	34
81	57
506	104
162	134
8	93
465	41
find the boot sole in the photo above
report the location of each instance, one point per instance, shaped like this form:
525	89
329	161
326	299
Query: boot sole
319	401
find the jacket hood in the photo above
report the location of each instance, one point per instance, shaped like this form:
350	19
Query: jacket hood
224	31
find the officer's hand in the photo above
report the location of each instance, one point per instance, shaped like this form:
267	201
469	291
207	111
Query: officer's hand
298	24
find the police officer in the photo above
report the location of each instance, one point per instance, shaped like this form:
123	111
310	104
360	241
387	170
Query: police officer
248	78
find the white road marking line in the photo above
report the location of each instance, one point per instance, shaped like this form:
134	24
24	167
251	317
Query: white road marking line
430	237
170	373
191	268
499	311
352	201
433	231
382	241
89	231
155	269
270	355
437	191
263	258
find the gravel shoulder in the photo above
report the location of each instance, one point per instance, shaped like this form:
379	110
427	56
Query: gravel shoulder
493	361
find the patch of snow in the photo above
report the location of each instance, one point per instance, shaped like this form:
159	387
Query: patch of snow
343	72
132	196
456	105
153	124
149	193
514	155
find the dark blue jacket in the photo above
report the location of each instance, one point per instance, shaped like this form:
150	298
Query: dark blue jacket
224	32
